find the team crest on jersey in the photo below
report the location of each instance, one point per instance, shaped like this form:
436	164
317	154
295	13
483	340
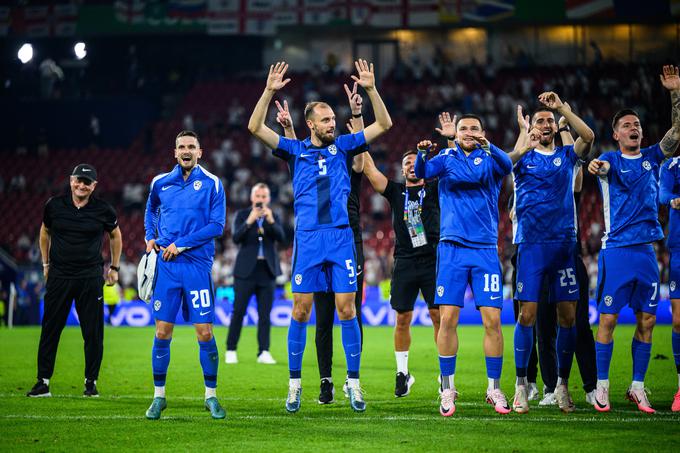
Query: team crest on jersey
197	185
440	291
478	160
298	279
157	305
557	161
333	150
520	287
672	285
646	165
608	300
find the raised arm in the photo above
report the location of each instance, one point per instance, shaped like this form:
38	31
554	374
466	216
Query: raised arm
671	81
424	168
256	126
356	123
526	140
375	177
563	129
447	129
366	79
586	136
284	119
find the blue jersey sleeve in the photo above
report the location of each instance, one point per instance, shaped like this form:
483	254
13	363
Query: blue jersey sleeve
501	161
655	152
570	154
668	176
352	144
609	157
215	225
153	204
432	168
285	148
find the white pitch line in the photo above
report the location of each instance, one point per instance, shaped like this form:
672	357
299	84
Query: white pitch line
349	418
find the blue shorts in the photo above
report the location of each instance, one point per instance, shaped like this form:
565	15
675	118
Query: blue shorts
555	261
324	260
459	266
185	285
628	276
674	278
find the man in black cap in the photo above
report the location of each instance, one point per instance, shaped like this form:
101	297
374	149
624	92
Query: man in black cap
70	244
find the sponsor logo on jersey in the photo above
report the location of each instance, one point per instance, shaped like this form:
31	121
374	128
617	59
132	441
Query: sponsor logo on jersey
333	150
608	300
197	185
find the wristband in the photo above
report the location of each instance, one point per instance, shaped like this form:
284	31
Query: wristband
563	129
357	115
46	264
114	268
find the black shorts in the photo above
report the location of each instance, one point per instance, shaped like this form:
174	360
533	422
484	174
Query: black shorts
410	276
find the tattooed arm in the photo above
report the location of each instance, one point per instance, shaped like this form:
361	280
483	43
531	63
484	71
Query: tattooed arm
671	81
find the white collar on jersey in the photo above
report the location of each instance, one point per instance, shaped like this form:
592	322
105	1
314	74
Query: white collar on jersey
626	156
546	153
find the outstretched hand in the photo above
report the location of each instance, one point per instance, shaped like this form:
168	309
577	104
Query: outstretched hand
275	80
670	78
366	76
283	115
598	167
551	100
448	126
522	121
354	98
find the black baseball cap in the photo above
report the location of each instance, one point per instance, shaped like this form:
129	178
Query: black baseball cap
86	171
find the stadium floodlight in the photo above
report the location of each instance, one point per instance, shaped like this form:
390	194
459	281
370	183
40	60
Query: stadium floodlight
80	50
25	53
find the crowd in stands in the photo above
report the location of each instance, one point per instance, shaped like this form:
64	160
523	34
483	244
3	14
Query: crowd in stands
218	110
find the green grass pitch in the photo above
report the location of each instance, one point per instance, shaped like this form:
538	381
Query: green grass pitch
254	394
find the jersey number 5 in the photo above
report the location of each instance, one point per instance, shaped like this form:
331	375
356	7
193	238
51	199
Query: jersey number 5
322	167
203	295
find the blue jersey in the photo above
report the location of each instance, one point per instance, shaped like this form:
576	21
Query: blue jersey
630	197
669	188
321	179
187	213
545	209
468	193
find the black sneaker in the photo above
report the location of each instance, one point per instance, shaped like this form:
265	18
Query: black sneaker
39	390
403	384
91	389
327	393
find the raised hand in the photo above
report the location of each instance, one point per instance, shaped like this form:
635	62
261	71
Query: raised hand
670	78
350	128
366	75
551	100
534	138
522	120
448	125
283	115
275	80
483	142
598	167
354	98
426	145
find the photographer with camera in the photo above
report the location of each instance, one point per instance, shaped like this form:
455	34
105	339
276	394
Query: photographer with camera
255	231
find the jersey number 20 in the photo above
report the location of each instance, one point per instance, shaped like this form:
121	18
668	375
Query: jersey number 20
203	295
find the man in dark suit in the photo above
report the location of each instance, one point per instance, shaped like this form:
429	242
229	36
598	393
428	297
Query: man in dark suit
256	230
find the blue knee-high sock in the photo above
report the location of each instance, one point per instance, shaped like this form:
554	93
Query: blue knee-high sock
603	355
524	342
209	361
297	338
675	340
494	366
447	365
641	352
160	359
351	342
565	345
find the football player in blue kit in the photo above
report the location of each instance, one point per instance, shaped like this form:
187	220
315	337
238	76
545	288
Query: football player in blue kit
470	175
324	258
185	212
544	227
628	273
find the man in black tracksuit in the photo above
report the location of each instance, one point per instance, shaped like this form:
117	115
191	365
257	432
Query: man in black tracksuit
71	238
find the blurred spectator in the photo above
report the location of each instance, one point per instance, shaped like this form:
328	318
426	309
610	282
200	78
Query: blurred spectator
50	74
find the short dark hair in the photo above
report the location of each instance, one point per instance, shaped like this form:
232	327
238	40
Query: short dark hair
474	117
541	109
309	108
621	113
186	134
409	153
